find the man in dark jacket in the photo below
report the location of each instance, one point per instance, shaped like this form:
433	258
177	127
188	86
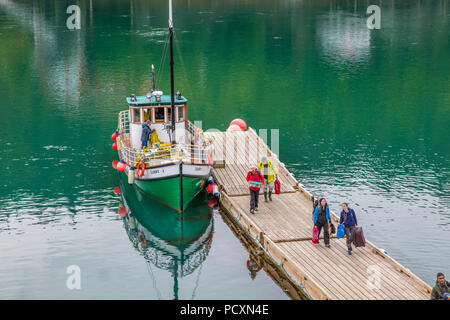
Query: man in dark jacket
348	217
441	288
146	132
321	218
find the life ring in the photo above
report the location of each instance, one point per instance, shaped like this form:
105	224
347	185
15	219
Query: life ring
199	132
140	169
210	159
142	239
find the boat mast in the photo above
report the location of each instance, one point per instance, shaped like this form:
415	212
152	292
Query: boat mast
172	90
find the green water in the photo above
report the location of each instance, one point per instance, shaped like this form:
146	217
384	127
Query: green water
363	116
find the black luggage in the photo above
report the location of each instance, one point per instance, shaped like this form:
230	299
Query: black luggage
331	228
358	237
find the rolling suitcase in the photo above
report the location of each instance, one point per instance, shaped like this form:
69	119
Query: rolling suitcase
358	237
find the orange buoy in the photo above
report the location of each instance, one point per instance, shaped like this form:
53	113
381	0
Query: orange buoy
122	212
114	164
241	123
114	136
140	169
116	190
212	202
234	128
121	166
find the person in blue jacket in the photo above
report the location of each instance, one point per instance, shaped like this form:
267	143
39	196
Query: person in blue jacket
321	218
146	132
348	218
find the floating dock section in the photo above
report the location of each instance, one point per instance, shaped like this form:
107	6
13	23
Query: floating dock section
283	230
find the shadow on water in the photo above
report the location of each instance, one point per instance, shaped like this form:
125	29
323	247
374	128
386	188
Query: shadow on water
166	239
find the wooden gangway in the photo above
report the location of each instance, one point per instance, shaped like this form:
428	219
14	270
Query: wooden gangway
283	229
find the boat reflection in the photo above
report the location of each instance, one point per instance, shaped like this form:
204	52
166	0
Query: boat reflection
170	241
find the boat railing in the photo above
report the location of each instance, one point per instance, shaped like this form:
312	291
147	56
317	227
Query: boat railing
124	122
166	154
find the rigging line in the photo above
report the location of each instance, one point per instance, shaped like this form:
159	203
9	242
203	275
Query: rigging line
183	67
197	281
161	63
152	276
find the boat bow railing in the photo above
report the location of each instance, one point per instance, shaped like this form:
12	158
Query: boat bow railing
166	154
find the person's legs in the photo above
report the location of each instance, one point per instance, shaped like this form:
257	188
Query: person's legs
349	233
252	200
271	187
319	226
326	235
256	199
265	187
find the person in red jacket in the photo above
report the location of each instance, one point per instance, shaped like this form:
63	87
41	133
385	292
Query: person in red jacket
255	180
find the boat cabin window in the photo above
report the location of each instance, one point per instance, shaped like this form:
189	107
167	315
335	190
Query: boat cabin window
147	115
180	111
159	114
136	115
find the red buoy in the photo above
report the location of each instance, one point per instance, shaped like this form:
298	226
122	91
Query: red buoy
212	202
234	128
121	166
241	123
114	146
122	212
114	164
114	136
116	190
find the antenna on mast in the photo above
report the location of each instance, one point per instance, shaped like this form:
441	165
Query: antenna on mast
153	79
172	90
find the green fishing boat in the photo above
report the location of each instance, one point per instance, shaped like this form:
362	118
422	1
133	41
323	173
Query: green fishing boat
176	161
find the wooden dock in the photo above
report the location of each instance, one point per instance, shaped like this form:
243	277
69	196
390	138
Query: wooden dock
283	228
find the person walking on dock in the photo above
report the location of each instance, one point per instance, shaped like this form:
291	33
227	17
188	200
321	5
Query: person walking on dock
146	132
321	218
348	218
255	179
269	173
441	290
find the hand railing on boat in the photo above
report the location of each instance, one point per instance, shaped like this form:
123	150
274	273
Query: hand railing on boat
124	122
165	154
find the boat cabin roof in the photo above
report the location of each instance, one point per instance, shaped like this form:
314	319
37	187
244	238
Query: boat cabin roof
144	101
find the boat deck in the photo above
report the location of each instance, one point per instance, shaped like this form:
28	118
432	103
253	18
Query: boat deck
283	228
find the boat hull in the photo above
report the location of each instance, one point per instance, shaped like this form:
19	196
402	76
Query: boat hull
163	184
167	191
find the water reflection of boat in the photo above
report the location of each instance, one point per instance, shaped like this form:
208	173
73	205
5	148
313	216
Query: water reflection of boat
169	241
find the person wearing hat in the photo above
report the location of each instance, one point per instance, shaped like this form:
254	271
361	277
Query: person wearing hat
255	179
146	132
441	290
269	173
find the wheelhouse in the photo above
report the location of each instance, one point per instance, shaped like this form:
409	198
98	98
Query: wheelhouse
157	108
